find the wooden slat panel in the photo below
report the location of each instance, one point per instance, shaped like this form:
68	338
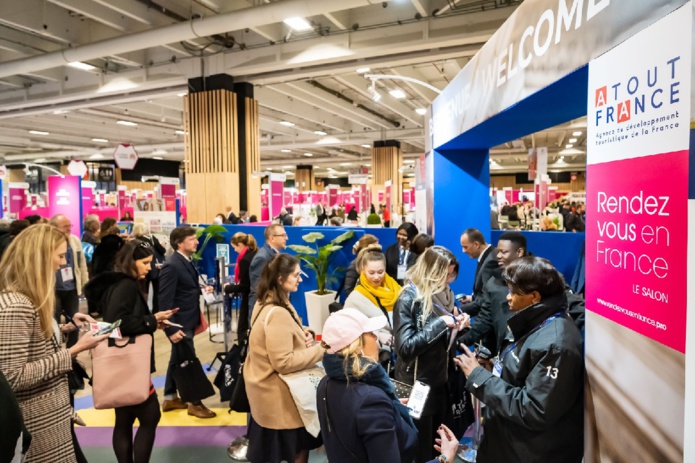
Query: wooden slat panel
149	186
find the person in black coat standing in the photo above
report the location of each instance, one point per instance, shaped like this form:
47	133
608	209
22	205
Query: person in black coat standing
398	256
121	296
473	244
180	286
245	245
534	392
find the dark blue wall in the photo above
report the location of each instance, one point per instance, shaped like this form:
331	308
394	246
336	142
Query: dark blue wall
342	258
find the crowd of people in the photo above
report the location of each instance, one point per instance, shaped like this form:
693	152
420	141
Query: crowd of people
401	327
559	215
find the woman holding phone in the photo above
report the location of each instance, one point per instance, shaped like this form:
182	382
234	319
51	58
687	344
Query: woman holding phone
121	295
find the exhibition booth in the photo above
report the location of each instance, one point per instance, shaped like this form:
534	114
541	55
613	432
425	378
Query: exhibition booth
627	67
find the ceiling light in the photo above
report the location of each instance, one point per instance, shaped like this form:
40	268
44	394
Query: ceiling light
367	165
81	66
345	163
572	140
569	145
97	156
363	70
38	132
180	132
269	168
366	146
127	123
100	140
397	93
40	160
61	111
287	167
577	134
287	123
157	158
285	151
308	154
409	161
421	111
332	176
298	24
330	169
320	133
182	94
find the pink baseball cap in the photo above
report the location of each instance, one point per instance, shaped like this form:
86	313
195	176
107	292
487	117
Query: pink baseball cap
344	326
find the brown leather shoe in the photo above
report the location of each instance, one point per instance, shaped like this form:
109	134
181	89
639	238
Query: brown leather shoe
201	411
175	404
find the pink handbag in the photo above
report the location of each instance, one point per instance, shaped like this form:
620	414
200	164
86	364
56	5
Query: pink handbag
121	371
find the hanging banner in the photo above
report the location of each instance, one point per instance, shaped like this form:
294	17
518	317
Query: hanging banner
332	195
65	197
277	183
167	193
18	197
637	173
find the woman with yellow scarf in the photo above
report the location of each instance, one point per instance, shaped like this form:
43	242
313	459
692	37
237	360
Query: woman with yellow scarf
376	292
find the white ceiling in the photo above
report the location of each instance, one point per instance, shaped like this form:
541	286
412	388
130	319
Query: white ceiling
307	78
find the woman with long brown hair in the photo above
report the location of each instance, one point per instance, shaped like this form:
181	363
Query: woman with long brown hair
278	344
31	356
121	296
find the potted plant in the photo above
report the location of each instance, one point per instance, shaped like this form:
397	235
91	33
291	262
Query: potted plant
318	259
215	232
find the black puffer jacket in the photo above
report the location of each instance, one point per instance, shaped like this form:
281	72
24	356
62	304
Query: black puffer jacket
425	340
535	411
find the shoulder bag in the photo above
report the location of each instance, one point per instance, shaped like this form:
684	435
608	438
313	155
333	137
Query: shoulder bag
303	385
121	371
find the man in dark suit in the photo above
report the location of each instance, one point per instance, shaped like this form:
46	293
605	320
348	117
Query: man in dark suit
275	241
474	245
180	286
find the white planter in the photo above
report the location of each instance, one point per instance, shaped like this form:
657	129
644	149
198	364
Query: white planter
317	309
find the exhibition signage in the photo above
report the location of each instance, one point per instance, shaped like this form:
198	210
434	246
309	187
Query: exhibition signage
277	182
125	156
537	163
65	197
87	198
637	179
223	251
78	168
514	63
18	197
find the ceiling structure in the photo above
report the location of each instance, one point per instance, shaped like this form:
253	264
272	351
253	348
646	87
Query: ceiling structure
75	75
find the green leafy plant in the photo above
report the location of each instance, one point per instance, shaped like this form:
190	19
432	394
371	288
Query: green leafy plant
211	232
373	219
318	258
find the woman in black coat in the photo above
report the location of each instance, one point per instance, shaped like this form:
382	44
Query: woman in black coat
141	231
423	331
534	399
245	245
120	295
398	254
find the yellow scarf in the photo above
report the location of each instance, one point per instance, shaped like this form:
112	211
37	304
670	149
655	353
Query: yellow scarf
387	293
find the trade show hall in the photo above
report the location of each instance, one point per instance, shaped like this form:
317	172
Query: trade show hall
417	231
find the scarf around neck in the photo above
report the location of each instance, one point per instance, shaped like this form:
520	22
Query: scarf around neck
374	376
384	295
445	299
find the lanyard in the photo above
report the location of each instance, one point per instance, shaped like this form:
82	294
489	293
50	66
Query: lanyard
513	345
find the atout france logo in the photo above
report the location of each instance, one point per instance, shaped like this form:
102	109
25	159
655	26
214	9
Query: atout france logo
656	88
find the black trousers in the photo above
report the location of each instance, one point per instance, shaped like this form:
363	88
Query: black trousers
69	303
138	450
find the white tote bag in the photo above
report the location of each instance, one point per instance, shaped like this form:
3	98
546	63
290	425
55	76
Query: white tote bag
303	385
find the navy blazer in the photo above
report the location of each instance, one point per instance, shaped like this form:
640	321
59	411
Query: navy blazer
487	268
179	286
366	421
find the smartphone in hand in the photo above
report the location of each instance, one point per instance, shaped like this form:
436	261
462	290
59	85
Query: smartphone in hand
108	329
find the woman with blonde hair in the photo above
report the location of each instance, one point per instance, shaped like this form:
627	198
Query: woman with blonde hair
424	333
246	247
278	344
352	274
31	356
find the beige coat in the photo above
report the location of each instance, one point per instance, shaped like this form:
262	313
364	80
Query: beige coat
81	273
36	370
276	345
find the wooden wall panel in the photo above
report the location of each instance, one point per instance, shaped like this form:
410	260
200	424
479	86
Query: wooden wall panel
138	185
386	164
253	157
212	195
502	181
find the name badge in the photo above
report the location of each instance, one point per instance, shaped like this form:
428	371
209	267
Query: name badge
66	274
209	298
497	368
401	272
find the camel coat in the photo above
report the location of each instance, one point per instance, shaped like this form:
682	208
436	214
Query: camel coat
36	370
276	345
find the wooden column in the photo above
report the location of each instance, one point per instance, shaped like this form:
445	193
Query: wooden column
252	144
387	159
304	178
211	156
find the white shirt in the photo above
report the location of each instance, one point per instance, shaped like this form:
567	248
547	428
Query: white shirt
480	257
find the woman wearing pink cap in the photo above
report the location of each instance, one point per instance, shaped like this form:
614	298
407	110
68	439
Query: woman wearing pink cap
361	418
